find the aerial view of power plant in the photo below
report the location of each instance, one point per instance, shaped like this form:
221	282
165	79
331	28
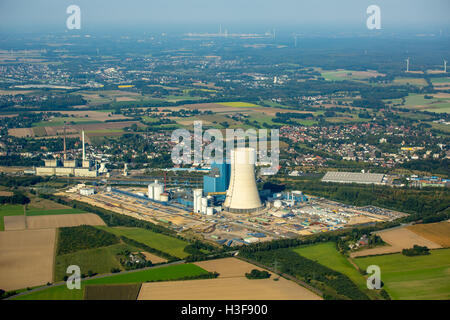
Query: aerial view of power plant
224	159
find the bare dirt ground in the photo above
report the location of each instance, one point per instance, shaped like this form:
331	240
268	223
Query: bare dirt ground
14	223
437	232
26	258
39	203
5	193
231	284
21	132
359	220
64	220
153	258
225	289
397	240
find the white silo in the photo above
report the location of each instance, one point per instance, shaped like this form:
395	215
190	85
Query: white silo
197	200
204	205
150	191
242	194
157	190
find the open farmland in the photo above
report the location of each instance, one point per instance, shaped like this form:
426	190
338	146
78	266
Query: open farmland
26	258
327	255
98	260
9	210
112	292
170	245
413	278
63	220
231	285
15	223
397	240
163	273
437	232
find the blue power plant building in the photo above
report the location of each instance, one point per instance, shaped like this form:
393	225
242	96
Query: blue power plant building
218	178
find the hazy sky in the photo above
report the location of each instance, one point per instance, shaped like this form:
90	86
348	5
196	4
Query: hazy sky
188	15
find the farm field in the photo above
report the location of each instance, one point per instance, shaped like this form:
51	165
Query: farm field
420	82
397	240
438	232
340	75
238	104
112	292
155	240
413	278
44	212
15	223
26	258
98	260
230	285
63	220
9	210
164	273
327	255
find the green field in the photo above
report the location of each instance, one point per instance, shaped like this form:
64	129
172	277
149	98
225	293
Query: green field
170	245
45	212
98	260
413	278
327	255
158	274
9	210
238	104
440	80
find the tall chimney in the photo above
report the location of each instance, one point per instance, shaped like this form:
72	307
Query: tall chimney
65	150
84	148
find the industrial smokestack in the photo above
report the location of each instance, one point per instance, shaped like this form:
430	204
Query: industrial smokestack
84	148
65	150
242	194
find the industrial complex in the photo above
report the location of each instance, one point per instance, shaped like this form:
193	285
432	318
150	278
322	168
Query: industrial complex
229	209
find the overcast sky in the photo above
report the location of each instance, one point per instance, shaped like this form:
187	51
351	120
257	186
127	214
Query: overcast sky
188	15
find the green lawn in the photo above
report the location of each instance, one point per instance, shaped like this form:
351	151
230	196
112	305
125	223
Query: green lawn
413	278
9	210
45	212
154	240
159	274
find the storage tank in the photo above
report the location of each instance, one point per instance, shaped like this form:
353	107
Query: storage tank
204	205
277	204
242	194
197	200
157	190
150	191
164	197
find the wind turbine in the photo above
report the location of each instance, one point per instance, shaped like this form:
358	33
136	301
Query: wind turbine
407	65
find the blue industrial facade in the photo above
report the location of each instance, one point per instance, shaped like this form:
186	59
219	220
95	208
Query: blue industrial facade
218	178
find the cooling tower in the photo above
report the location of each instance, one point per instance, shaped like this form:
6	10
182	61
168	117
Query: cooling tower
242	194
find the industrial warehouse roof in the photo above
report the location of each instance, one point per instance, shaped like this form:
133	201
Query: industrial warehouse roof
353	177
